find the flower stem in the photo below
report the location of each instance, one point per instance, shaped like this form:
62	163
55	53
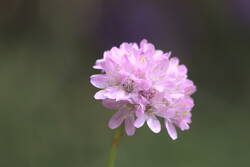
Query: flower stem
115	142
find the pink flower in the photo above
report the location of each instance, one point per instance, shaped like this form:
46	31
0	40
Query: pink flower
144	85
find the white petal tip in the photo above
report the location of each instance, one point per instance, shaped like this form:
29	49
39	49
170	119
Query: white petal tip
173	137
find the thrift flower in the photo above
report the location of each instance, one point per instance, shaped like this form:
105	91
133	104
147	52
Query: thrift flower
143	85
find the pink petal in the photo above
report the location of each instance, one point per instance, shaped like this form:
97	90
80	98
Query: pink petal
139	122
129	126
100	95
147	47
111	104
98	64
189	87
144	84
176	95
166	114
173	65
182	69
99	80
116	120
171	130
184	125
154	124
114	92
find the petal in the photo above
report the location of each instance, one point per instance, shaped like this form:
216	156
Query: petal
144	84
111	104
176	95
109	65
127	64
129	126
189	87
171	130
154	124
173	65
98	64
100	95
140	110
166	114
139	122
99	80
184	125
114	92
116	120
147	47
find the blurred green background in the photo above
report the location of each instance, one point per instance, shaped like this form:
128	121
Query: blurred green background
48	116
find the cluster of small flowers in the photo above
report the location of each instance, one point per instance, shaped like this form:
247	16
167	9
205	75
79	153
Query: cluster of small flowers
144	84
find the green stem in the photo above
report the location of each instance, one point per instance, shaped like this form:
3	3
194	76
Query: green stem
115	142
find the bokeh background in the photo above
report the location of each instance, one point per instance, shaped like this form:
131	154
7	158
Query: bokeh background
48	116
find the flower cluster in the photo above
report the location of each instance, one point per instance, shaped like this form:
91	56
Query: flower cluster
144	84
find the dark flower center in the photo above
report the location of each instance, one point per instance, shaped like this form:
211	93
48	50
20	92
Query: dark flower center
149	109
148	94
128	85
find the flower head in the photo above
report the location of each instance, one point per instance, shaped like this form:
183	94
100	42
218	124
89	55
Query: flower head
144	84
